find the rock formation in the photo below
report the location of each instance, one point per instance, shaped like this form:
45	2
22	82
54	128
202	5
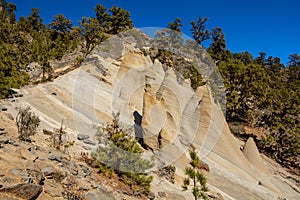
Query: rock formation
172	118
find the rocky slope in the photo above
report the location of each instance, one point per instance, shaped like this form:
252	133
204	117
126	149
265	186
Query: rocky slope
164	110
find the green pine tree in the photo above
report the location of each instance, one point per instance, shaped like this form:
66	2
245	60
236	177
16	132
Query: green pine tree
195	180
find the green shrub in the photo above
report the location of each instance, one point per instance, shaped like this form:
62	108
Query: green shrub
27	123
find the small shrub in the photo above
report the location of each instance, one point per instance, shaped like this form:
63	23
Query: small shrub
79	59
27	123
57	137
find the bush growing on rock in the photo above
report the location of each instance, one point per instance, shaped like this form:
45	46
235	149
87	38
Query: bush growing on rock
27	123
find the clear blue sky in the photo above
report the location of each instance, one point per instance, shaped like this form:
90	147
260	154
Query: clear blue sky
271	26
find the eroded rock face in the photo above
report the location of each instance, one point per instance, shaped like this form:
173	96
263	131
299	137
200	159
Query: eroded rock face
166	113
252	154
24	191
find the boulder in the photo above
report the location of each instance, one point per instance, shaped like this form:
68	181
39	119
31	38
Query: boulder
24	191
151	196
84	172
82	137
215	196
13	92
162	194
3	108
52	173
54	155
19	172
34	70
89	141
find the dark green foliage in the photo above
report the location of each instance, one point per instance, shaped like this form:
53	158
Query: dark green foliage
169	38
34	19
96	30
175	25
165	57
120	20
116	21
199	31
174	32
10	75
61	23
28	41
282	117
194	74
122	156
261	92
217	48
294	60
103	17
27	123
293	71
7	11
195	180
92	33
244	85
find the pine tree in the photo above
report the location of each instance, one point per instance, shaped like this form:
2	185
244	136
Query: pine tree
123	157
174	32
61	23
293	70
199	31
217	49
103	17
195	180
34	19
7	11
120	20
92	33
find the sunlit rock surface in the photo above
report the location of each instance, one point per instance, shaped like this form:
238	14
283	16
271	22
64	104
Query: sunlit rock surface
167	114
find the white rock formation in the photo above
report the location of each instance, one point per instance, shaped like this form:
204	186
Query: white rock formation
174	117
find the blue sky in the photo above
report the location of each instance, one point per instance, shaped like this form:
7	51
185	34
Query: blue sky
271	26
